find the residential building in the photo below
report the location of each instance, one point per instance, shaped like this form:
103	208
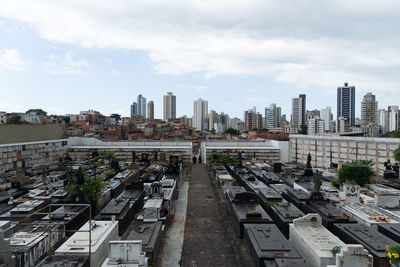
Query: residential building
224	120
141	106
342	125
278	116
393	118
169	106
134	110
298	112
271	118
369	110
150	110
212	119
252	119
346	103
383	120
235	123
200	114
315	126
311	114
326	116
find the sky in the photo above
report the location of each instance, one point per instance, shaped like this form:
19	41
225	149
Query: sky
68	56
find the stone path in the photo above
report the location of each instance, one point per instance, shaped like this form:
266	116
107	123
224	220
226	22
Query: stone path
210	239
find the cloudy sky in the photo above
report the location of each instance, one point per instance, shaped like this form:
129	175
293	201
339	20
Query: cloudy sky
67	56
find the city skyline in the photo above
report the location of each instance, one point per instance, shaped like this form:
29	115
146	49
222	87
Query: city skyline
105	64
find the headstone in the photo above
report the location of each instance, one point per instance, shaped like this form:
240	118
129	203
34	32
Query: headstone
351	193
386	200
353	255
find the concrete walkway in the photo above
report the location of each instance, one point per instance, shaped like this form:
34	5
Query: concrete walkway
209	241
171	249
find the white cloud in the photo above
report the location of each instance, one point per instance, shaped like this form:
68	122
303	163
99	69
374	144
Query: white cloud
70	62
10	59
303	43
69	65
115	72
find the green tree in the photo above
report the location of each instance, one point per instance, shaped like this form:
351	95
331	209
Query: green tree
213	131
356	172
15	119
38	111
392	134
396	154
67	119
232	131
90	187
116	116
303	128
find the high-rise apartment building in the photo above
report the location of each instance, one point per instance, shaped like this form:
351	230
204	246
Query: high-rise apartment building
393	118
212	118
169	106
134	110
150	110
383	120
369	110
200	115
252	120
271	117
141	106
346	96
278	116
298	112
326	116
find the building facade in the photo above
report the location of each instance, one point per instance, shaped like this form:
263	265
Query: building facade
271	116
141	106
326	116
369	110
169	106
134	110
150	110
200	115
346	102
298	112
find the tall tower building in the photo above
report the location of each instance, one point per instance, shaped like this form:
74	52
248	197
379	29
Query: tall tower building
298	112
278	116
150	110
346	96
393	118
200	115
271	118
169	106
141	104
134	110
212	118
369	110
326	116
303	109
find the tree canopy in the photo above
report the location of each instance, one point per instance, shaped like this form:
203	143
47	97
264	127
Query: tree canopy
15	119
38	111
357	172
230	130
396	154
393	134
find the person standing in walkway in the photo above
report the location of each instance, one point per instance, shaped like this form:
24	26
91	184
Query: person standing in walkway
200	162
194	159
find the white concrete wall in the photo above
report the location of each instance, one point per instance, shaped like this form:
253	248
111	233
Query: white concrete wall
325	149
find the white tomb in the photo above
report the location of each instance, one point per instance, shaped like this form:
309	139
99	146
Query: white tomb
313	240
